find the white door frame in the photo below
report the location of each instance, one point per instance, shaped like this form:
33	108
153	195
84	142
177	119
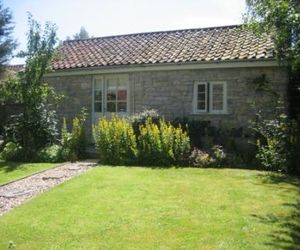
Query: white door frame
104	78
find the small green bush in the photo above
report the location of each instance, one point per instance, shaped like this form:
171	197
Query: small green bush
50	154
74	142
11	151
162	144
115	141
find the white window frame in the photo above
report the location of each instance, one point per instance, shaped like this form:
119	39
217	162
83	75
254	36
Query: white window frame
218	111
196	110
209	98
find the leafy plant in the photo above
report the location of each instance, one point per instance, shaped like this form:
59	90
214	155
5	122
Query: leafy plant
11	151
35	127
50	154
218	155
199	158
115	141
74	142
277	143
140	118
162	144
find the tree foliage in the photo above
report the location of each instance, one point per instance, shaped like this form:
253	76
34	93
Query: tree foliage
82	34
281	18
7	43
36	125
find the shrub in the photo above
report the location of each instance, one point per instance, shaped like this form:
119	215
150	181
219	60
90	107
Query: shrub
115	141
218	155
50	154
162	144
74	142
11	151
199	158
278	142
140	118
33	132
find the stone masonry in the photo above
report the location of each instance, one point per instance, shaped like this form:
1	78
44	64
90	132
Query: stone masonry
171	93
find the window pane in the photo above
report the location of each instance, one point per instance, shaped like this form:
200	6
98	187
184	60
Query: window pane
111	107
217	105
98	107
98	85
201	88
112	84
217	96
122	107
201	105
98	95
122	94
201	97
111	95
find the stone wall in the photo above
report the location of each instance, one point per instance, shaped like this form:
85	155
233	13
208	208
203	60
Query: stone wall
171	92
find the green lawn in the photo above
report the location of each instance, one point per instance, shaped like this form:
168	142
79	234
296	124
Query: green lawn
10	171
144	208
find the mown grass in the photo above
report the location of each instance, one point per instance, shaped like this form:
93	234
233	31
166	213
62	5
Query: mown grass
144	208
10	171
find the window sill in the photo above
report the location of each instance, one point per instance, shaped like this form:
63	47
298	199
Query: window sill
209	113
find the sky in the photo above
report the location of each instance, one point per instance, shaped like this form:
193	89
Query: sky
113	17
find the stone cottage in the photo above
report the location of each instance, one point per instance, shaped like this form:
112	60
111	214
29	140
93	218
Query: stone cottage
204	74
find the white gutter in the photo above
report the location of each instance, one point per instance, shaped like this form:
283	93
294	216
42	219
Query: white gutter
161	67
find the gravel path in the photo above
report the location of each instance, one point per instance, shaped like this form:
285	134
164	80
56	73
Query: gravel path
16	193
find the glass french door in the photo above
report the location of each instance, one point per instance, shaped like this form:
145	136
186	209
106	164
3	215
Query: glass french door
110	96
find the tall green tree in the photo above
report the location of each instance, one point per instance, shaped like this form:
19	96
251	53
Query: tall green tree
7	43
281	19
35	126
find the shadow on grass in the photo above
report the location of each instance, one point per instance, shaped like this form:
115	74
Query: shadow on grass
288	236
7	166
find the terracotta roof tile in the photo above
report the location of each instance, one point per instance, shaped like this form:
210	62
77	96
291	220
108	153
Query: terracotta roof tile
179	46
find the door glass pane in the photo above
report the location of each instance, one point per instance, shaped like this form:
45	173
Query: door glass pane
122	94
98	107
98	85
111	95
98	95
112	84
111	107
122	107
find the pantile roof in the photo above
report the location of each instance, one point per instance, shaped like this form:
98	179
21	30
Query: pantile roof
179	46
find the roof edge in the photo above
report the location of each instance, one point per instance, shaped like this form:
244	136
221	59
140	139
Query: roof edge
164	67
160	31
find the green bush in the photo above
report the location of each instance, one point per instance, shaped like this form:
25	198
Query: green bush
74	142
140	118
50	154
115	141
162	144
11	151
278	142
